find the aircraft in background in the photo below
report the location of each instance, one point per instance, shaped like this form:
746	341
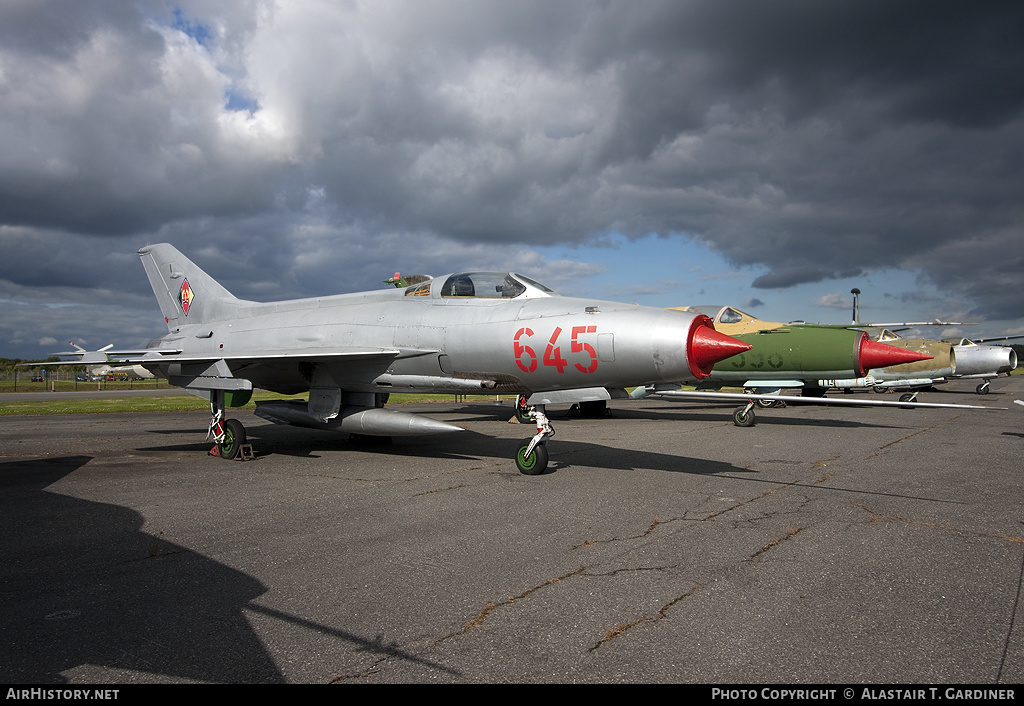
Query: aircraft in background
953	359
810	357
909	376
466	333
964	358
104	368
977	359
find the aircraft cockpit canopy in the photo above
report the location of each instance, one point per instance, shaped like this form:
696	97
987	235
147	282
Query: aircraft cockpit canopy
732	316
720	314
486	285
887	335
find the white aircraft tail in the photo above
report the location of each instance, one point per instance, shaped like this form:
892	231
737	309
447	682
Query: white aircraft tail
186	294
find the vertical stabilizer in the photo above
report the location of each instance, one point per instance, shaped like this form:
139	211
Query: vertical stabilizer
186	294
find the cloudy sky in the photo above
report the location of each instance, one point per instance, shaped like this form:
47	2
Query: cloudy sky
769	155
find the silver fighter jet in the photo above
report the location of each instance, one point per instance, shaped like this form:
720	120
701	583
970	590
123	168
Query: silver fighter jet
977	359
467	333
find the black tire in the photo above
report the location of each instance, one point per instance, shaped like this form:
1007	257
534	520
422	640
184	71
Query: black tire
907	397
982	389
742	418
767	404
234	438
534	464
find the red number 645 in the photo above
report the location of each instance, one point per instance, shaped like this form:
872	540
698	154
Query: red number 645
577	347
520	349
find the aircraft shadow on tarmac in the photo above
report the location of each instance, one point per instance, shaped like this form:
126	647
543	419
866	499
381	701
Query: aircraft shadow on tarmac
83	585
666	410
723	413
272	440
565	454
573	453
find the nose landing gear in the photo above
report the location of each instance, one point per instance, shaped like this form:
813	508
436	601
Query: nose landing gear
532	457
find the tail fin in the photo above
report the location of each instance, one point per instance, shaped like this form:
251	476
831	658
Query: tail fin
186	294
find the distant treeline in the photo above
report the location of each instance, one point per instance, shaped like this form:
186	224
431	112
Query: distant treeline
21	364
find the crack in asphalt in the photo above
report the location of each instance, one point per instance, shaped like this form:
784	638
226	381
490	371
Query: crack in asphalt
491	607
876	516
663	611
922	430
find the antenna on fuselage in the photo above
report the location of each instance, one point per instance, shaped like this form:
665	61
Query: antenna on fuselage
856	306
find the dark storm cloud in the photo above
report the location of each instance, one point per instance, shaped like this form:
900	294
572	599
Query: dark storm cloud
280	141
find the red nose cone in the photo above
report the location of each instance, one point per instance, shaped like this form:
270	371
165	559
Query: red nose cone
707	346
880	355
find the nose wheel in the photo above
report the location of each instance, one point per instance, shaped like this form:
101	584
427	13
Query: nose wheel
532	457
532	462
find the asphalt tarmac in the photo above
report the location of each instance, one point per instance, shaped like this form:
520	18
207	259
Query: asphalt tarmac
823	545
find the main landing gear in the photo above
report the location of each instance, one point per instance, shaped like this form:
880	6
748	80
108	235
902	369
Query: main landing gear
229	434
909	397
532	457
744	416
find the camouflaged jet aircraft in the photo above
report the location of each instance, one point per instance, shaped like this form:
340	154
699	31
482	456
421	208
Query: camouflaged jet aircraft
466	333
940	364
952	359
809	357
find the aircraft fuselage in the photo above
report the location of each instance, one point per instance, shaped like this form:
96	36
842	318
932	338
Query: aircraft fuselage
443	344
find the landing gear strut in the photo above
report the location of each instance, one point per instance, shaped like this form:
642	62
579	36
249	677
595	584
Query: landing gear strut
229	434
532	457
909	397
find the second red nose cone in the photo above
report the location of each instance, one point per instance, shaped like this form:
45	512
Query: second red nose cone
880	355
707	346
